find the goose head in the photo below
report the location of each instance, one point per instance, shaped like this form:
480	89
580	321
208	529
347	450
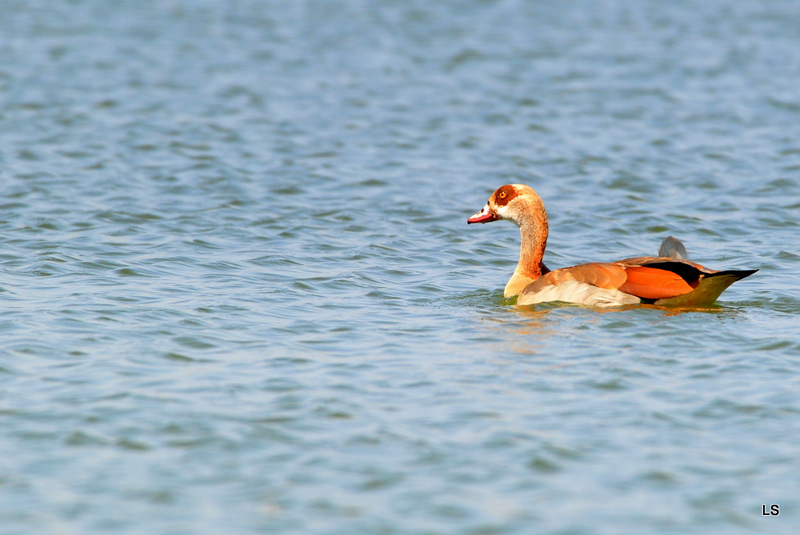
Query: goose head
515	202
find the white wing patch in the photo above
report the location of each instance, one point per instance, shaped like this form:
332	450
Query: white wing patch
578	292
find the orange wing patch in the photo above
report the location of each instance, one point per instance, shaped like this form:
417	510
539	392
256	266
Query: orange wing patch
641	281
652	283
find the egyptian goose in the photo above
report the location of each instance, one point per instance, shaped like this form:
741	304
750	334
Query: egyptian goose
667	279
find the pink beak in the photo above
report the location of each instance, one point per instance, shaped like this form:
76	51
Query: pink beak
484	216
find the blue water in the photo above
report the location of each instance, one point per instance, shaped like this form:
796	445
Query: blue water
239	294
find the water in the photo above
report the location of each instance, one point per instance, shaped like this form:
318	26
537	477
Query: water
239	294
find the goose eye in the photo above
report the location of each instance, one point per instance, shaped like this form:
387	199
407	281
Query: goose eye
502	194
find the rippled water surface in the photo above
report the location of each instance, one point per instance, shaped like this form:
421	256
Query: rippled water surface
239	294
